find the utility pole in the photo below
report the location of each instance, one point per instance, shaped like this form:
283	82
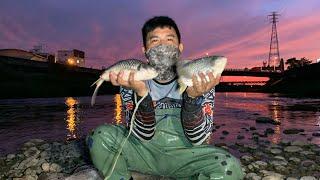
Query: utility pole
274	56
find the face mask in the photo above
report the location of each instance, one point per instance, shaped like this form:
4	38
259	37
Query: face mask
163	58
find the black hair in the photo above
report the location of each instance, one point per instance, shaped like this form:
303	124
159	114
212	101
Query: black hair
158	21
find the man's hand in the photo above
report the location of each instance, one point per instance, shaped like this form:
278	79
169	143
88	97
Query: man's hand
138	86
203	86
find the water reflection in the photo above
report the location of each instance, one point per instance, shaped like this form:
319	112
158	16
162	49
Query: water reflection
72	118
117	109
275	114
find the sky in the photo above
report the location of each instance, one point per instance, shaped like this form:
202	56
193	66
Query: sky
110	30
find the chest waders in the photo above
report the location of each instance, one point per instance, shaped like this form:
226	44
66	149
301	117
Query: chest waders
168	153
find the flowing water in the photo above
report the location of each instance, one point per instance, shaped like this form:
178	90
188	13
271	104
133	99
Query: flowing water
57	119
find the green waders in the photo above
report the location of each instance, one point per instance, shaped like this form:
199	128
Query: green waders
167	154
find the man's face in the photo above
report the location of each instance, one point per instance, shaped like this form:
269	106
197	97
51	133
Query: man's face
165	35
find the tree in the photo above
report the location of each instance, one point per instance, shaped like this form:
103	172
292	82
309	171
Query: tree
297	63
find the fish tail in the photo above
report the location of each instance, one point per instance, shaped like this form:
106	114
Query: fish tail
98	83
182	86
95	82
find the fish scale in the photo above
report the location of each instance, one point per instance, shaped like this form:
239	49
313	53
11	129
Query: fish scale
142	71
187	68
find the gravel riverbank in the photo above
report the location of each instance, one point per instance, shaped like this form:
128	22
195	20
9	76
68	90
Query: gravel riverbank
41	160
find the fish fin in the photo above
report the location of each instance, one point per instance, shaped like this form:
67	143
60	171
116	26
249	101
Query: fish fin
180	66
95	82
182	62
98	83
182	88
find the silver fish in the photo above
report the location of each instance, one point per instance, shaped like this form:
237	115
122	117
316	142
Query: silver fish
142	71
187	68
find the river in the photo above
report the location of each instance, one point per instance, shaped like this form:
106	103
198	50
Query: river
67	118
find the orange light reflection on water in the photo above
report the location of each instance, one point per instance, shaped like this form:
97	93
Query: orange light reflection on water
117	109
71	117
275	110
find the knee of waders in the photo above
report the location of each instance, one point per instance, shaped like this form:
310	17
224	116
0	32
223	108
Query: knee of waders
232	167
104	135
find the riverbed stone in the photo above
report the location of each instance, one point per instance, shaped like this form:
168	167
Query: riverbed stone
316	134
253	176
278	163
292	149
293	131
299	143
276	151
267	120
32	151
271	174
308	178
294	160
307	163
247	158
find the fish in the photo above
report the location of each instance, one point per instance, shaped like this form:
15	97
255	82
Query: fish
142	71
187	68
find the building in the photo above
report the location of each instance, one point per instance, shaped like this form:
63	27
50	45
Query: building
19	53
71	57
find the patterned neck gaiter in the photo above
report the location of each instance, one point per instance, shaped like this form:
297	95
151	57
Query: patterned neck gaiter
163	58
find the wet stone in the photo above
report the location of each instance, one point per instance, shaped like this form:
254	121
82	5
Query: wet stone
299	143
253	176
276	151
267	120
316	134
279	158
240	137
308	178
307	163
278	163
269	131
293	131
225	132
292	149
294	160
253	128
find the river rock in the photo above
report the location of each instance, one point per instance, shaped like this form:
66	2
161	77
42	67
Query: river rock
247	158
55	167
225	132
294	160
267	120
292	149
307	163
281	158
293	131
285	142
308	178
269	131
10	157
276	151
292	178
253	176
45	167
278	163
86	174
32	151
316	134
299	143
271	175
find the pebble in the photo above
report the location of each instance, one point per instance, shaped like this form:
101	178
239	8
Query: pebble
293	131
316	134
308	178
292	149
276	151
